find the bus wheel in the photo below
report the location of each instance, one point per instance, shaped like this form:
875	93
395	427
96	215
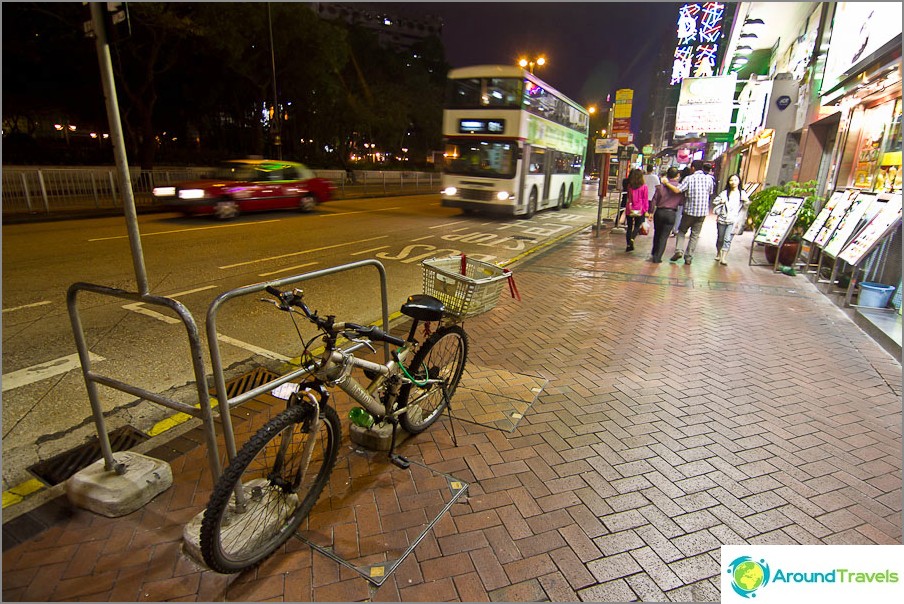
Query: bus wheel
570	198
531	204
561	203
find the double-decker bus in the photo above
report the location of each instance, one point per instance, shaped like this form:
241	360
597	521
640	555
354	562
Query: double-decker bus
513	144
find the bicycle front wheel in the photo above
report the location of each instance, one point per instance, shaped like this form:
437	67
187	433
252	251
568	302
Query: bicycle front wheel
442	357
278	492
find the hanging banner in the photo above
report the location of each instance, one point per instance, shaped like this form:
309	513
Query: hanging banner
705	104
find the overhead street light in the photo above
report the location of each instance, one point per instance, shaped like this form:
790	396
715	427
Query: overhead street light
530	63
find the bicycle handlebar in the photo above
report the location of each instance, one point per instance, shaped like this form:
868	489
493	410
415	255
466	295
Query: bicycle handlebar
288	299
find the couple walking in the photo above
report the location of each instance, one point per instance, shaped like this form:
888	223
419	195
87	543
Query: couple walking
694	194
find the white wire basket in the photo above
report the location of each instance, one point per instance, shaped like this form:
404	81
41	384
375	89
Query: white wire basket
464	295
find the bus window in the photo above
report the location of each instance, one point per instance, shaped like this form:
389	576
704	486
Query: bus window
479	93
537	160
493	159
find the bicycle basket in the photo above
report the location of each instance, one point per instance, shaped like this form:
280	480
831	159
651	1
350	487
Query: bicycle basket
464	295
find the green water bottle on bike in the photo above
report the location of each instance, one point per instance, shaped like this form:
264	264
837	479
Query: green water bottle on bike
360	417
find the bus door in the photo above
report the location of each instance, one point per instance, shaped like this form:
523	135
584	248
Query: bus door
547	175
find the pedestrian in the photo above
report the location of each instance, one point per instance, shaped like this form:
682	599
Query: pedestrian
666	205
698	188
685	172
636	206
652	182
727	208
621	217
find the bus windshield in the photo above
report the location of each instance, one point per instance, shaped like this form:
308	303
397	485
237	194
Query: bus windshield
478	93
473	157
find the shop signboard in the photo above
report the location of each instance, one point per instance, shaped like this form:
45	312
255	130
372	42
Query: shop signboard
606	145
705	104
858	30
876	229
849	222
699	32
779	221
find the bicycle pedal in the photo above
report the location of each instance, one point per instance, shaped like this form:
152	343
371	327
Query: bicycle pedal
399	461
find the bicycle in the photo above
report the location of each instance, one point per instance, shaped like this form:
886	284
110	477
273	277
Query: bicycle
274	481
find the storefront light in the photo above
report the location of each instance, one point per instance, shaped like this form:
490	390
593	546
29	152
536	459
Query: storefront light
744	49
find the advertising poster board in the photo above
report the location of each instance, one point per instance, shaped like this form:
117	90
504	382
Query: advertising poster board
705	104
849	223
876	229
841	208
824	213
779	220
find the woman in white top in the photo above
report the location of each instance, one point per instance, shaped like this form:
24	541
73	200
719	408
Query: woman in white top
727	208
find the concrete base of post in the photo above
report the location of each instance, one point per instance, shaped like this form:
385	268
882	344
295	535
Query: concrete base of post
376	438
109	494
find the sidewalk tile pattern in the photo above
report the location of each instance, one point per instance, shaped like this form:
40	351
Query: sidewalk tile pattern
687	407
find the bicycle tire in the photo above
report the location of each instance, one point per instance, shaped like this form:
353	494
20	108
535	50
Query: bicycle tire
232	542
443	355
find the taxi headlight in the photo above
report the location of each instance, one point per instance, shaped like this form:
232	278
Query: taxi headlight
503	195
164	191
191	194
450	191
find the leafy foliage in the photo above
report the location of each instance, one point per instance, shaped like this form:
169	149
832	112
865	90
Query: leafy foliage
762	201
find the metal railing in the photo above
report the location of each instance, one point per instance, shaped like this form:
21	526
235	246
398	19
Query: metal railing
50	190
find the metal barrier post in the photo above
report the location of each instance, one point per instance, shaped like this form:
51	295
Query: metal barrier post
92	378
226	403
27	195
43	191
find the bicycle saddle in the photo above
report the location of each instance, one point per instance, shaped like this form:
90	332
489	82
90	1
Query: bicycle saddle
423	308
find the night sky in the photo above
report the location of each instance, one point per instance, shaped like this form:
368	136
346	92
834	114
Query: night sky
593	48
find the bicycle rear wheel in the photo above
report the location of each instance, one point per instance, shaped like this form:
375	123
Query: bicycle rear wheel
277	496
442	357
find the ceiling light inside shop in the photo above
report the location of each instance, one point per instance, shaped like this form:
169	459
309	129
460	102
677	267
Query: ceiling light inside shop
744	49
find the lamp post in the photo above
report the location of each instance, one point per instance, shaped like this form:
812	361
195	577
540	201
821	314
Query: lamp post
530	63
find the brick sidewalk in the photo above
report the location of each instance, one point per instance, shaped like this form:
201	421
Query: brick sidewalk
687	407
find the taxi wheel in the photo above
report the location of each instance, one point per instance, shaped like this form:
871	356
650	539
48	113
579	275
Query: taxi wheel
226	210
307	203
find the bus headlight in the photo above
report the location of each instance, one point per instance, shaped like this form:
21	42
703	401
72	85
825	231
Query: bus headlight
450	191
504	196
191	194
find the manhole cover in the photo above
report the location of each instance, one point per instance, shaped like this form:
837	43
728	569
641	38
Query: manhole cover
58	468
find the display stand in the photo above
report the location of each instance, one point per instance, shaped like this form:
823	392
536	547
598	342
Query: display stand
841	196
776	227
867	251
862	207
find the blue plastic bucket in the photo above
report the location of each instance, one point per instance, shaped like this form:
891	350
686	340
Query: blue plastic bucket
875	295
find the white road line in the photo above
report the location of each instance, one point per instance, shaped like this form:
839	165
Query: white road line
373	249
422	238
36	373
261	351
319	249
141	310
219	226
442	226
27	306
284	270
331	214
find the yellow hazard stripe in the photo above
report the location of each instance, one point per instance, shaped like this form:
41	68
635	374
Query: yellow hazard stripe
18	493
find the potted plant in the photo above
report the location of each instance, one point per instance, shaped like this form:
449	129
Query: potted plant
761	203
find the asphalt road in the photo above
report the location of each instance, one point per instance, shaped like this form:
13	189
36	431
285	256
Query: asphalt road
45	405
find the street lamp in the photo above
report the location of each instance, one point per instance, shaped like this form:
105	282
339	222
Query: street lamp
530	63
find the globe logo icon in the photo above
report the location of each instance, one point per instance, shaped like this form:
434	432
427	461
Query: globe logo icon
748	575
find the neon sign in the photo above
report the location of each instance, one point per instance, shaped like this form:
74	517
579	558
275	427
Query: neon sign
698	34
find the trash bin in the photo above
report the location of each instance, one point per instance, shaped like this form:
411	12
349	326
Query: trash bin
875	295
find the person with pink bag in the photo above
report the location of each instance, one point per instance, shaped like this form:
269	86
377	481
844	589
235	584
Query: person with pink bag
636	207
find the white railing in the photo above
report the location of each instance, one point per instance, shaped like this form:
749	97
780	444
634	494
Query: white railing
48	190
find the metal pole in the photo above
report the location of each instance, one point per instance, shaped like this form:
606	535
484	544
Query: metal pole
276	115
118	141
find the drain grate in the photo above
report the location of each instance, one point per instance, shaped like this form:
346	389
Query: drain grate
60	467
247	382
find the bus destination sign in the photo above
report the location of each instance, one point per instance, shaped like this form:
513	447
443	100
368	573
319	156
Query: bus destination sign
472	126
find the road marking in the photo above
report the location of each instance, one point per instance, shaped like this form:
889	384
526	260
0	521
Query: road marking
319	249
27	306
422	238
331	214
36	373
139	308
288	268
219	226
373	249
442	226
261	351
